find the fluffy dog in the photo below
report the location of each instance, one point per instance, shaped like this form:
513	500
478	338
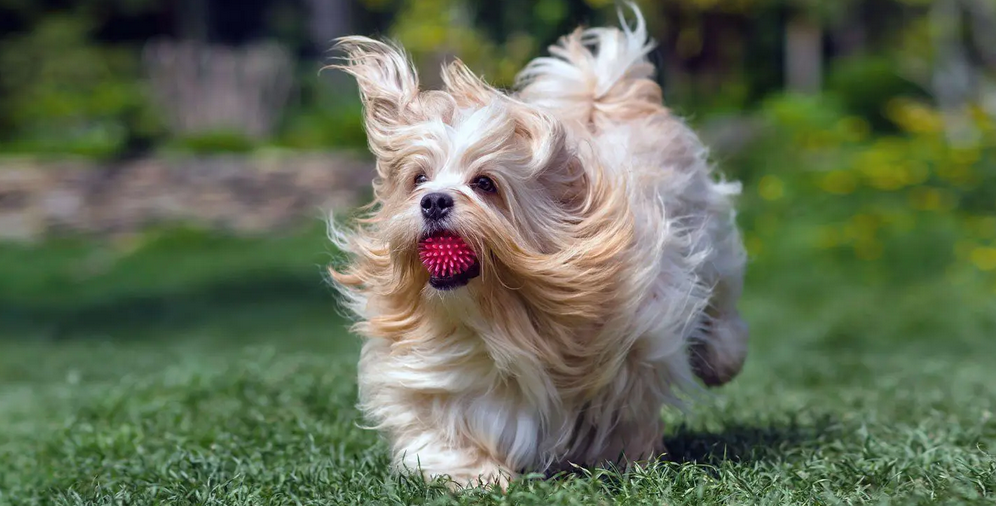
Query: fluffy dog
540	273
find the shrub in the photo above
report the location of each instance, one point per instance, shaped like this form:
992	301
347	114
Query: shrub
220	141
864	84
325	126
907	205
64	94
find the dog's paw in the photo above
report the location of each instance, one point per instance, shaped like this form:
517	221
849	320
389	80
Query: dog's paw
489	474
482	475
719	356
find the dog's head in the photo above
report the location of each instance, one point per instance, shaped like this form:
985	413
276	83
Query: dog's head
470	182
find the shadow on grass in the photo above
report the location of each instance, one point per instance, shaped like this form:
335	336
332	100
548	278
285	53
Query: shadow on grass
219	302
736	443
744	443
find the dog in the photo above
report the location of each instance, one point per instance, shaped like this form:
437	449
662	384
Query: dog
540	272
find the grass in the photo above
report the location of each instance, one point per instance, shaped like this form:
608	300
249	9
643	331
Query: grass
189	369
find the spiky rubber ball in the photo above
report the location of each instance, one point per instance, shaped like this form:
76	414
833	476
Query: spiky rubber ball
446	255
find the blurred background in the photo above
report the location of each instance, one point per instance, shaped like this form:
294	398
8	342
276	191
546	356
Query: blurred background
166	166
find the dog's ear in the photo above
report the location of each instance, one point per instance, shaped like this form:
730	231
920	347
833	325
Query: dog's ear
558	168
388	85
465	87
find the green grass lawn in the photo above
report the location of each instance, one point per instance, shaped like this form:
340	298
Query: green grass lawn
187	369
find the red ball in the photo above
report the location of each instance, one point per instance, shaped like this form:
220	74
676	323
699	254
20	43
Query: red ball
446	255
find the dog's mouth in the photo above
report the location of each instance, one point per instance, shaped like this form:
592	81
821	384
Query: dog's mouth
451	262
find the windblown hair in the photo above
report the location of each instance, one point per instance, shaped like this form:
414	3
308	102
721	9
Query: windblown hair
610	264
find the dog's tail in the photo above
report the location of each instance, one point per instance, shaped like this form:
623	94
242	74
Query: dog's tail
595	75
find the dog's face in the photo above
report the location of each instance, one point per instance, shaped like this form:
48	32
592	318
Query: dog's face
470	182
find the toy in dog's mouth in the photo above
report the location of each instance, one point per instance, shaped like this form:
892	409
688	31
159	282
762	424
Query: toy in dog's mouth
451	262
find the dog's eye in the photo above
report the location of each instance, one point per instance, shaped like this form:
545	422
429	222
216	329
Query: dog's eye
420	179
485	184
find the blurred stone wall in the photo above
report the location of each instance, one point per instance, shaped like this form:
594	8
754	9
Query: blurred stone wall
239	193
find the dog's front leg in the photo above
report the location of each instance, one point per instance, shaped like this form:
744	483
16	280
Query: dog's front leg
461	462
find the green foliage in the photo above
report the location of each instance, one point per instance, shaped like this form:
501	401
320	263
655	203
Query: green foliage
816	9
325	128
64	94
494	39
212	142
909	205
321	119
865	84
63	91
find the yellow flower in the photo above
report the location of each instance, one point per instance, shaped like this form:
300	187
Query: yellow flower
868	250
963	249
771	188
861	228
889	178
965	156
984	258
931	199
914	117
839	182
866	221
827	238
986	227
956	173
853	128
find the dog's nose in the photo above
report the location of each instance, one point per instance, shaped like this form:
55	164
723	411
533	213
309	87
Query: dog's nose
435	206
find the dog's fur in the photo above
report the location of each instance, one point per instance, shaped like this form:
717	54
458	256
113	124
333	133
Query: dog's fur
610	262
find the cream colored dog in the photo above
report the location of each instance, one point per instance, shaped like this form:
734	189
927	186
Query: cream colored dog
540	273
